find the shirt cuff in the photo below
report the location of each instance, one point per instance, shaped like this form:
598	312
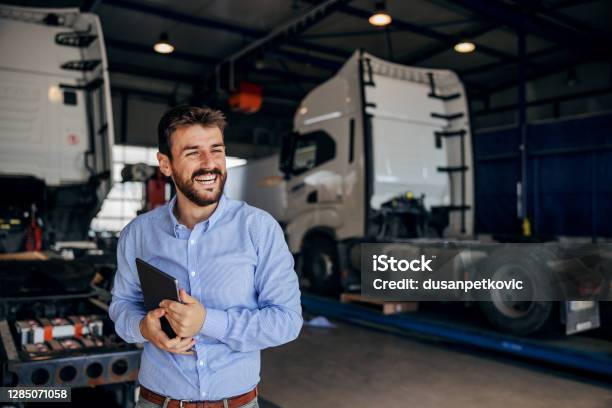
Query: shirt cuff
135	328
215	324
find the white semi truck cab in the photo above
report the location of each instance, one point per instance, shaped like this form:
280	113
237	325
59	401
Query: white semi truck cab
380	152
56	131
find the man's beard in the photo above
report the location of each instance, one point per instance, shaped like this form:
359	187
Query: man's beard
188	187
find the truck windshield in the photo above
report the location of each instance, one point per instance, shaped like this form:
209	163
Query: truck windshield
311	150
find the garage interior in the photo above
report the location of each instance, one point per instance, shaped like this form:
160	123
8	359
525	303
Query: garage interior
533	80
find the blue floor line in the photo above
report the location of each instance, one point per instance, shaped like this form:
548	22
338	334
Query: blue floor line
536	349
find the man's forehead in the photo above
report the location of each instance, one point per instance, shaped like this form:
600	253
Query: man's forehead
189	134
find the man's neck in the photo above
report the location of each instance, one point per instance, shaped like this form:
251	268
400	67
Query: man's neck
188	213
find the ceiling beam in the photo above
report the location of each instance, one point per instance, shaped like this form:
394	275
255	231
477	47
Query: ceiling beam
275	38
448	39
430	52
283	74
129	69
147	72
344	34
535	25
215	24
166	97
320	48
123	45
544	71
553	8
308	59
497	65
169	14
545	101
189	57
129	46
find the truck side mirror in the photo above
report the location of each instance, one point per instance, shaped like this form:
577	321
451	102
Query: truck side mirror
287	153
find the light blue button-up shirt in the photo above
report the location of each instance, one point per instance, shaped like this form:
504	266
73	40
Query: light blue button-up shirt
238	266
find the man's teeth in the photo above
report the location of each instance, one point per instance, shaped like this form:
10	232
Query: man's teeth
208	179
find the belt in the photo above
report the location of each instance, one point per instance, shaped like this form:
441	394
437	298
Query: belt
233	402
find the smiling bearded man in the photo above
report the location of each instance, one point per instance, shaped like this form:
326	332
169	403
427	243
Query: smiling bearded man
239	291
205	185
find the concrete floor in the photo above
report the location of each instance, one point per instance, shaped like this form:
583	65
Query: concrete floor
351	366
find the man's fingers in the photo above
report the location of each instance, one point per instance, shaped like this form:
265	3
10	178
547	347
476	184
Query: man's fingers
182	315
171	343
185	344
185	298
178	308
166	303
166	342
172	306
182	344
177	317
185	353
176	345
185	350
157	313
174	322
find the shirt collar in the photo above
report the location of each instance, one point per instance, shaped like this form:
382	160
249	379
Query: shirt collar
211	220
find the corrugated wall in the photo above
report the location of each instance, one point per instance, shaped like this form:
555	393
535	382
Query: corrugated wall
569	178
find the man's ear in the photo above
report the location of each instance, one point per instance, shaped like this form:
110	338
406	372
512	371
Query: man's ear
164	164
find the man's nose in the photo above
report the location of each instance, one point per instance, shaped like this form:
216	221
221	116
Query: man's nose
206	160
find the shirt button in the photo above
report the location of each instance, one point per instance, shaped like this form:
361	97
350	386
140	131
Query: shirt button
192	241
201	363
203	393
192	273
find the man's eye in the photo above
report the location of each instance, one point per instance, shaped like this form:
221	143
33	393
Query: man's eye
192	153
217	150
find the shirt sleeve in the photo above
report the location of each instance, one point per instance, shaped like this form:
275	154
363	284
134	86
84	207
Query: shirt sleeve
127	305
278	318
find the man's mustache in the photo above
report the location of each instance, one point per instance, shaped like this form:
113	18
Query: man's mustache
203	172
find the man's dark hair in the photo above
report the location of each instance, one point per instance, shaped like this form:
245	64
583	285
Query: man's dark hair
184	115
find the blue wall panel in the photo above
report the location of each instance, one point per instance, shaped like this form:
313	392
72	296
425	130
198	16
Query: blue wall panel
569	180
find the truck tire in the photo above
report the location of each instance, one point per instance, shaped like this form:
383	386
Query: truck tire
320	266
502	310
523	319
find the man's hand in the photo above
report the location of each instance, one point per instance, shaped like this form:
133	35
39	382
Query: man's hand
150	327
185	318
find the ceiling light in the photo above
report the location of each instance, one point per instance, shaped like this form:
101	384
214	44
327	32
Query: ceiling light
465	47
380	17
163	46
260	63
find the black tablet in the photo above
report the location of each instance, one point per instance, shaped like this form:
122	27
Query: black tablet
157	286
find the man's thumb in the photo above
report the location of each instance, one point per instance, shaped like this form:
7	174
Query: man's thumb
185	298
157	313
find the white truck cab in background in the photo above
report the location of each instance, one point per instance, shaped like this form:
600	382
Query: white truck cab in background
376	137
56	134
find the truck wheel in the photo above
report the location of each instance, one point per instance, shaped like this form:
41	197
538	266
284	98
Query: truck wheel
320	266
508	310
520	318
